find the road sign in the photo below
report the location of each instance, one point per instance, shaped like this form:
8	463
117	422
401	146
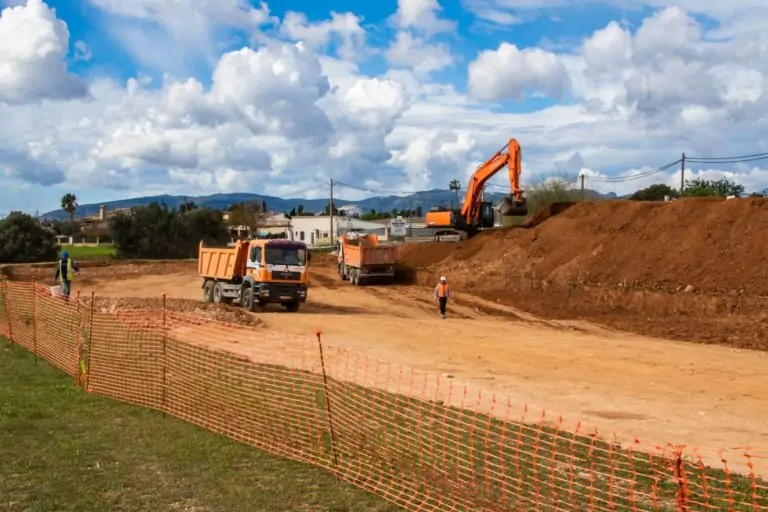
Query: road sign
398	227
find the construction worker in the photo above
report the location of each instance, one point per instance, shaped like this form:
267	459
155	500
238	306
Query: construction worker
442	294
65	270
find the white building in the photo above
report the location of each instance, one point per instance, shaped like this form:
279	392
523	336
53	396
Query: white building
350	210
316	230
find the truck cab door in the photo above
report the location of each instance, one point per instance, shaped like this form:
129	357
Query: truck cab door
254	262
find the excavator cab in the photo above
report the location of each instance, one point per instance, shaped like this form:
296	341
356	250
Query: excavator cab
510	207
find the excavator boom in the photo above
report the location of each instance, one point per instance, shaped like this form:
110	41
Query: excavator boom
513	205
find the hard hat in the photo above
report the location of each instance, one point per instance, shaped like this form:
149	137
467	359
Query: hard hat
442	278
64	254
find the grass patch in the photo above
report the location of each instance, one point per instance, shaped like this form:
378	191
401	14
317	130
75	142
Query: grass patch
90	252
64	449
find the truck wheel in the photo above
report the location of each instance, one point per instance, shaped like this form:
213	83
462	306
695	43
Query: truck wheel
218	292
208	291
292	307
247	299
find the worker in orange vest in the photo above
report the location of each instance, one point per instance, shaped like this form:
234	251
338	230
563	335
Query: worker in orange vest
442	294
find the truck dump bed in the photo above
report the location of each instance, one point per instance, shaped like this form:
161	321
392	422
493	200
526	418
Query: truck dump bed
367	251
222	262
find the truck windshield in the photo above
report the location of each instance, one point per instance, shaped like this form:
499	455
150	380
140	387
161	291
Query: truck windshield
285	256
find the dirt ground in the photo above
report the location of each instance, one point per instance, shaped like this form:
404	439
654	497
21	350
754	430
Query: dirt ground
658	390
542	315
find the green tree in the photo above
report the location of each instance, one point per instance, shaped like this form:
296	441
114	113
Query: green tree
187	206
455	186
723	187
69	205
24	240
158	232
655	193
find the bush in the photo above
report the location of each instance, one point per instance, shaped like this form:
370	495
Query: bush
546	193
158	232
24	240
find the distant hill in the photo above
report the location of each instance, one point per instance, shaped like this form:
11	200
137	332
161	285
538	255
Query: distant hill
424	199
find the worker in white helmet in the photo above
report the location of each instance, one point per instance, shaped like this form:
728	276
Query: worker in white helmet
442	294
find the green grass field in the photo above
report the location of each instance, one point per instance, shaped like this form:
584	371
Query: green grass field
86	252
63	449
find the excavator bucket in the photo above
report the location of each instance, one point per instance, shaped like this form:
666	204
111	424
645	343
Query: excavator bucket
511	208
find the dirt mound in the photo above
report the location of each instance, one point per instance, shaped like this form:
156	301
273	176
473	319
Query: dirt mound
96	271
323	259
600	253
545	213
221	313
716	246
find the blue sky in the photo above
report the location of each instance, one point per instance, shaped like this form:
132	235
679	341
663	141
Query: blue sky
594	88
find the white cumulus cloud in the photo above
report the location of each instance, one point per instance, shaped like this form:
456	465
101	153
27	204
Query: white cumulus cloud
283	110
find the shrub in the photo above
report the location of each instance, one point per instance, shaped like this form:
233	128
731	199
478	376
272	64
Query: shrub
24	240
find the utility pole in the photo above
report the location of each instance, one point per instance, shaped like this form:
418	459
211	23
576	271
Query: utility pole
581	178
330	210
682	175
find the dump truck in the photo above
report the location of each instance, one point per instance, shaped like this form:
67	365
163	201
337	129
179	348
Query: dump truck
364	259
255	273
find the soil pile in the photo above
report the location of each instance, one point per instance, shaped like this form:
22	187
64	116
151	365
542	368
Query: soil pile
218	312
694	269
718	246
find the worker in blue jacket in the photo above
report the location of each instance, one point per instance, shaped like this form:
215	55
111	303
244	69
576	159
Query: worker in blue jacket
65	270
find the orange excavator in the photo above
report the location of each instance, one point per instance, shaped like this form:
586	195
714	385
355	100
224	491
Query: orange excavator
476	215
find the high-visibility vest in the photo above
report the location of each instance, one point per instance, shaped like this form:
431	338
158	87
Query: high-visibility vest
70	271
442	289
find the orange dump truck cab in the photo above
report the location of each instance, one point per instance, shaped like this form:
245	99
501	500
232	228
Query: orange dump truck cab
255	273
362	259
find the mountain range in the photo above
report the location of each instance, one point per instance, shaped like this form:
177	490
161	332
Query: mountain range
424	199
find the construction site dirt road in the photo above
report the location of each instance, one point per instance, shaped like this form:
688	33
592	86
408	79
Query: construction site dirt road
655	389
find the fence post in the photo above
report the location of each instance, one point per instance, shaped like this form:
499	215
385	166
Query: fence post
682	484
165	355
4	292
90	345
34	317
334	450
80	377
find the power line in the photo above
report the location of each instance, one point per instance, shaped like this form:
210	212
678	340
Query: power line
734	161
722	159
365	189
645	174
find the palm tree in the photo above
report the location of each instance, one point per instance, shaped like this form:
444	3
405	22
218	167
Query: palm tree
69	205
455	186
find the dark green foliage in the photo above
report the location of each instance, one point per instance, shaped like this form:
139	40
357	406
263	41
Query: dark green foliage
655	193
158	232
24	240
698	187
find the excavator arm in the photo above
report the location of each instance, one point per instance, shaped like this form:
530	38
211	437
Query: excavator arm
512	205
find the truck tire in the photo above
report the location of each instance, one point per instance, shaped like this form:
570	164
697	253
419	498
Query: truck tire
292	307
208	291
218	294
246	299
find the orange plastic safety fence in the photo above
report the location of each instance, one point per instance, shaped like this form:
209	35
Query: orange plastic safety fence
419	440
